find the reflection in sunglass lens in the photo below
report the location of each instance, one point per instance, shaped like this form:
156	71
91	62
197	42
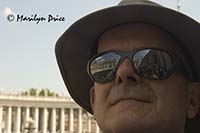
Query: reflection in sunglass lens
153	64
103	67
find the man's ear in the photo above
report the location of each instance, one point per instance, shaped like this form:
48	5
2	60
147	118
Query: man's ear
194	100
92	98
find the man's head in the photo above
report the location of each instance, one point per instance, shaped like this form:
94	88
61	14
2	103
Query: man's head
132	103
152	84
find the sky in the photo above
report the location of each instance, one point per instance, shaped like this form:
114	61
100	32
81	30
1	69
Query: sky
27	57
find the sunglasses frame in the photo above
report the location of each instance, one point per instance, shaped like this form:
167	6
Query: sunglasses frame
130	54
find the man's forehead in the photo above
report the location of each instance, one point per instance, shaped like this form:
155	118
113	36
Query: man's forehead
137	35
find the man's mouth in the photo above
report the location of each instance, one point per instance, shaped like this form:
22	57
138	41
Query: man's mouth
141	93
143	100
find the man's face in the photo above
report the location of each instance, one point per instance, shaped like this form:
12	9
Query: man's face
114	103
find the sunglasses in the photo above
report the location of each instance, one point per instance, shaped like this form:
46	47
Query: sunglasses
150	63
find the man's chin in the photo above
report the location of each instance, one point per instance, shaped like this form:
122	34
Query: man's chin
130	128
126	127
130	121
120	124
125	124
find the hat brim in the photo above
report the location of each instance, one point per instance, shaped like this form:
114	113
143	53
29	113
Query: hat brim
73	48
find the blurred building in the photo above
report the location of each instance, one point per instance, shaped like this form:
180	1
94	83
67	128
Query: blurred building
44	114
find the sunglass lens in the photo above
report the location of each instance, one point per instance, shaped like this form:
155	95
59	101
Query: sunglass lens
153	63
102	68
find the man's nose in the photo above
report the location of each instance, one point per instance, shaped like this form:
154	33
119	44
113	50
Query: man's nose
126	72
